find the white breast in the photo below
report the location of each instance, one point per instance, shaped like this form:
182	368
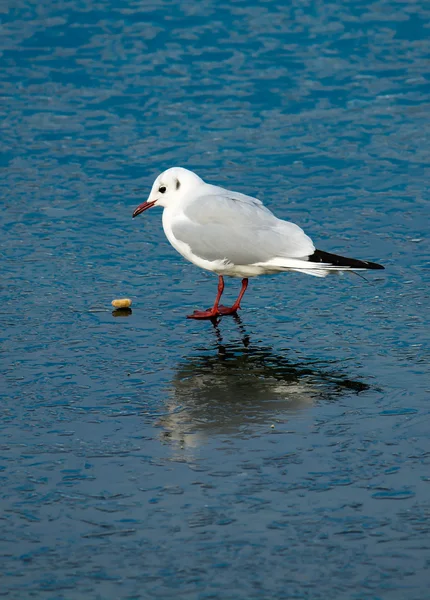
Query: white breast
183	248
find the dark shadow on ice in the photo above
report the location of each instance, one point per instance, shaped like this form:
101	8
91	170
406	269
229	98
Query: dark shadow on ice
122	312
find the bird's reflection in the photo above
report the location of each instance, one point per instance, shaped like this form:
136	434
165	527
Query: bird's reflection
240	386
219	341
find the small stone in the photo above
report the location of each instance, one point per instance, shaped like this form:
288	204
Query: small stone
121	303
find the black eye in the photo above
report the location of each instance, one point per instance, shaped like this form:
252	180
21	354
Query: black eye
162	189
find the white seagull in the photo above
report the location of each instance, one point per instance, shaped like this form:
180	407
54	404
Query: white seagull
235	235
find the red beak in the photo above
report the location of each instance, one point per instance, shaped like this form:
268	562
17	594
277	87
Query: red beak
142	207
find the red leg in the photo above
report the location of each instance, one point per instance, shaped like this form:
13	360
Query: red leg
231	310
211	313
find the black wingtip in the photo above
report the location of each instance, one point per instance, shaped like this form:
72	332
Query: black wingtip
319	256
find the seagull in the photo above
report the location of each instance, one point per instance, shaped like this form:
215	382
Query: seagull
235	235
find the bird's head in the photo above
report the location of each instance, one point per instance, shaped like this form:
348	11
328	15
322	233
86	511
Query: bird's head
169	188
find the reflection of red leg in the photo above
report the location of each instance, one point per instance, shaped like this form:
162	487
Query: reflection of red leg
231	310
213	312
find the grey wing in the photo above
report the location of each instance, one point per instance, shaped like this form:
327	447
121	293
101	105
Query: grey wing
238	229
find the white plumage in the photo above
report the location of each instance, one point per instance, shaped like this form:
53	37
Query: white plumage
233	234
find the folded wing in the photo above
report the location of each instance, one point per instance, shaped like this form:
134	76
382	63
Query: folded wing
239	229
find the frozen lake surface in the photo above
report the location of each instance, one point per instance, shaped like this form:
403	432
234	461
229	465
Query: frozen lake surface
282	455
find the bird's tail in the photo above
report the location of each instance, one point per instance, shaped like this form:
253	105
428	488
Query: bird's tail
321	264
336	262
